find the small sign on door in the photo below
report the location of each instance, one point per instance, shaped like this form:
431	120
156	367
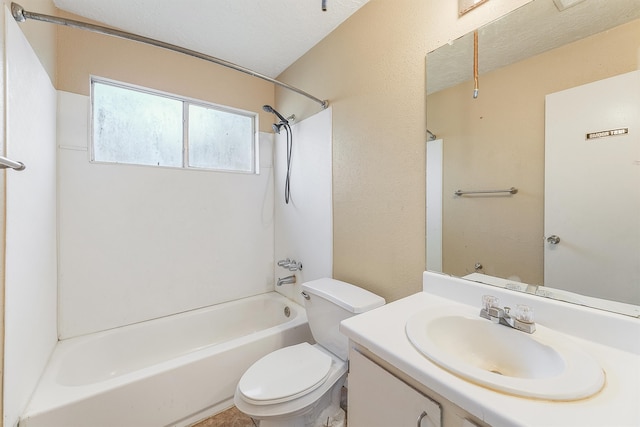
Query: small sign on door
606	133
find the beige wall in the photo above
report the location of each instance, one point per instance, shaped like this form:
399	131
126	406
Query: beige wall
497	141
82	54
372	70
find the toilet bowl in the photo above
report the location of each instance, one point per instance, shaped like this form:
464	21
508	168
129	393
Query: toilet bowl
301	385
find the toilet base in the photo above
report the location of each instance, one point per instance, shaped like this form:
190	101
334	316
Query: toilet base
333	417
330	417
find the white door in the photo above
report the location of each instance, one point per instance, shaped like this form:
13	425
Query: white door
592	189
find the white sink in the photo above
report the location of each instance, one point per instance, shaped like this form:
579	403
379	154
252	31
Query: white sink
542	365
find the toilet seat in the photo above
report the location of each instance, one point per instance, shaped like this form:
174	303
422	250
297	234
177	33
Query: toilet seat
285	375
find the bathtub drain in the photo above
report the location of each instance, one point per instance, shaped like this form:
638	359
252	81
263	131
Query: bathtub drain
287	311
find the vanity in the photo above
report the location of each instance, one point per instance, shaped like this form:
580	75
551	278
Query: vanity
421	361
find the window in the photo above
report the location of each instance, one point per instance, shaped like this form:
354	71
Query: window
142	127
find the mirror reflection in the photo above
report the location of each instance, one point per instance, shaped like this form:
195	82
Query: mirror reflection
531	63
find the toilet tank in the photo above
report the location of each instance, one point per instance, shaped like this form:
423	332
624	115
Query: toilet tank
330	301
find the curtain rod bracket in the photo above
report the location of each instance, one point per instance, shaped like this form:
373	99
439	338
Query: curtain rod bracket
18	12
21	15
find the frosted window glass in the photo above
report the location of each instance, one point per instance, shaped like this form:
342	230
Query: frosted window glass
130	126
220	139
140	127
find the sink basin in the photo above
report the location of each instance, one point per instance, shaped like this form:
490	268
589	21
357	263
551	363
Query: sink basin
542	365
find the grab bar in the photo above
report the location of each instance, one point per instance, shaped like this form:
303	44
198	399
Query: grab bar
8	163
511	190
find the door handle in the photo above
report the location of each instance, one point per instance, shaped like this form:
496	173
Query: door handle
420	418
553	239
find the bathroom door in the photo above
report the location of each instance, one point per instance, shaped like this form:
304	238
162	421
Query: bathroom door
592	189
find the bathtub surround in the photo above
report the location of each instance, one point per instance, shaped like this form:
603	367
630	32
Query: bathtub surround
137	243
304	226
30	275
131	235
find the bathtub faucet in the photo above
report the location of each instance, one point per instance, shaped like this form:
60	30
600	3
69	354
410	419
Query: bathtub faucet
287	280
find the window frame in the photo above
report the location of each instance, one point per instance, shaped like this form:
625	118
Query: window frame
186	102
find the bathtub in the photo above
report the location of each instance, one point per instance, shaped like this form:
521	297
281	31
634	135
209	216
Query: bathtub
171	371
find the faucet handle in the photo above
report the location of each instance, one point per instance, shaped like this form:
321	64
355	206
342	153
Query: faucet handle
489	301
524	313
294	265
284	263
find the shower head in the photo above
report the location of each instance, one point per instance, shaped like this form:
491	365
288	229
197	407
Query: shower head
269	109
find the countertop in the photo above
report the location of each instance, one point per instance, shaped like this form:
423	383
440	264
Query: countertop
382	332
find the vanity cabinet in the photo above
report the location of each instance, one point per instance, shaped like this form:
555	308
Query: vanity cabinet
391	382
378	398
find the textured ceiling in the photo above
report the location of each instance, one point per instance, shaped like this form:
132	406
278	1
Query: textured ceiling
265	36
530	30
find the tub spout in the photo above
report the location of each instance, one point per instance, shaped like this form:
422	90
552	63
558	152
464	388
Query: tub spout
287	280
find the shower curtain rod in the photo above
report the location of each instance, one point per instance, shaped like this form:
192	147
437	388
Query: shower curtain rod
21	15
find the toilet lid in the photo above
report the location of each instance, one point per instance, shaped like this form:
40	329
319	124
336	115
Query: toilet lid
285	374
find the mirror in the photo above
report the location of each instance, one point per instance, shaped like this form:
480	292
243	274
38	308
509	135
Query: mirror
497	141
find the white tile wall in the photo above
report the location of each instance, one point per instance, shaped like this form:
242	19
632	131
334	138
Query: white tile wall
137	242
30	275
304	227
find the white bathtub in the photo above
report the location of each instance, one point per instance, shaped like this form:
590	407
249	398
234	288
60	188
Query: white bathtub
171	371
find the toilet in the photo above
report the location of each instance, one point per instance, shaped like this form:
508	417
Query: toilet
300	385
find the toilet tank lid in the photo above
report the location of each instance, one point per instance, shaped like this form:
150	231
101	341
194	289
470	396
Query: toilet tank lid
345	295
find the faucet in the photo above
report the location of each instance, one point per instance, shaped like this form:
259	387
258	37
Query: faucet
521	319
287	280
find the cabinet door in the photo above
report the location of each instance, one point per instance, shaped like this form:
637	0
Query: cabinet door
379	399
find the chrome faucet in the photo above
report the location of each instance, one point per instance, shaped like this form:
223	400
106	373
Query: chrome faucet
521	319
290	264
287	280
